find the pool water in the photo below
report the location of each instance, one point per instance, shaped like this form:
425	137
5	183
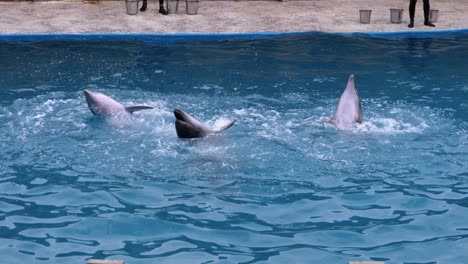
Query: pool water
280	186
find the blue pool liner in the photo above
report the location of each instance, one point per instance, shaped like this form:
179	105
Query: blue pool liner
189	37
408	33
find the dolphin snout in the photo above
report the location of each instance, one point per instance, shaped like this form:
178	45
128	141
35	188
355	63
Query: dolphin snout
86	92
179	114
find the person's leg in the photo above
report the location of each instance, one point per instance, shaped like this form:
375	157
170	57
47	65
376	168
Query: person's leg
427	7
143	7
412	8
161	7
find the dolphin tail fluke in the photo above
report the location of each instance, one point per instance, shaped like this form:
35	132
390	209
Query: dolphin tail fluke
135	108
228	125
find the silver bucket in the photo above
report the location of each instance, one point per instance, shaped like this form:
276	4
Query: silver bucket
364	16
396	15
433	15
192	7
172	6
132	7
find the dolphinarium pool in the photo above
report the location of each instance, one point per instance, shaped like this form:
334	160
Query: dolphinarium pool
281	186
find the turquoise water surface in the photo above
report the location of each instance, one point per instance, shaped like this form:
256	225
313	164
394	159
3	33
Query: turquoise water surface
280	186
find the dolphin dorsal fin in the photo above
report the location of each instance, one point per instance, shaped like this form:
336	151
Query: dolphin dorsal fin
135	108
228	125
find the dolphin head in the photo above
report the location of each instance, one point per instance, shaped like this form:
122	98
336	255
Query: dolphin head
92	101
188	126
348	111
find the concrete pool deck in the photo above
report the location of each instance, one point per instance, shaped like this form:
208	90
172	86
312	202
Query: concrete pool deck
73	16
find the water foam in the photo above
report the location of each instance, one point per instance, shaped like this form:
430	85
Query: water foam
390	126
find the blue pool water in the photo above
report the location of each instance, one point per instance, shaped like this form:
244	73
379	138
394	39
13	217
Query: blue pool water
281	186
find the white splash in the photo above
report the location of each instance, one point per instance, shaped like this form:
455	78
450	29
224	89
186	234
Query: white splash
390	126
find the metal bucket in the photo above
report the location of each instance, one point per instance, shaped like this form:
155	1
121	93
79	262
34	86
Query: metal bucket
433	15
192	7
365	16
396	15
132	7
172	6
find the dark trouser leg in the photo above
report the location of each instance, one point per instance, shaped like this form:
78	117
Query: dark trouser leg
143	7
161	7
427	7
412	8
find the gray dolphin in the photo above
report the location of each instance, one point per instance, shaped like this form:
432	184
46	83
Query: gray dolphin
348	111
188	126
103	105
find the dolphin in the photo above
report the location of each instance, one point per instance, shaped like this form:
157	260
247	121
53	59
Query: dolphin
188	126
348	111
103	105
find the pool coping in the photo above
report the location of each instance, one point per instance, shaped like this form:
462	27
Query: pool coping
221	16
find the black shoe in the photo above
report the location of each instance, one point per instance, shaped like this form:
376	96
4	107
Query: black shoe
429	24
411	24
143	8
163	11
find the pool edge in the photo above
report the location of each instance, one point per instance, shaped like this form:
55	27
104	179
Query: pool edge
226	35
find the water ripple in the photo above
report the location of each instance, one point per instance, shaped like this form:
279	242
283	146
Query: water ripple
281	186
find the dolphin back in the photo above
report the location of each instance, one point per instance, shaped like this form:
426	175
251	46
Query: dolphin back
104	105
101	104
